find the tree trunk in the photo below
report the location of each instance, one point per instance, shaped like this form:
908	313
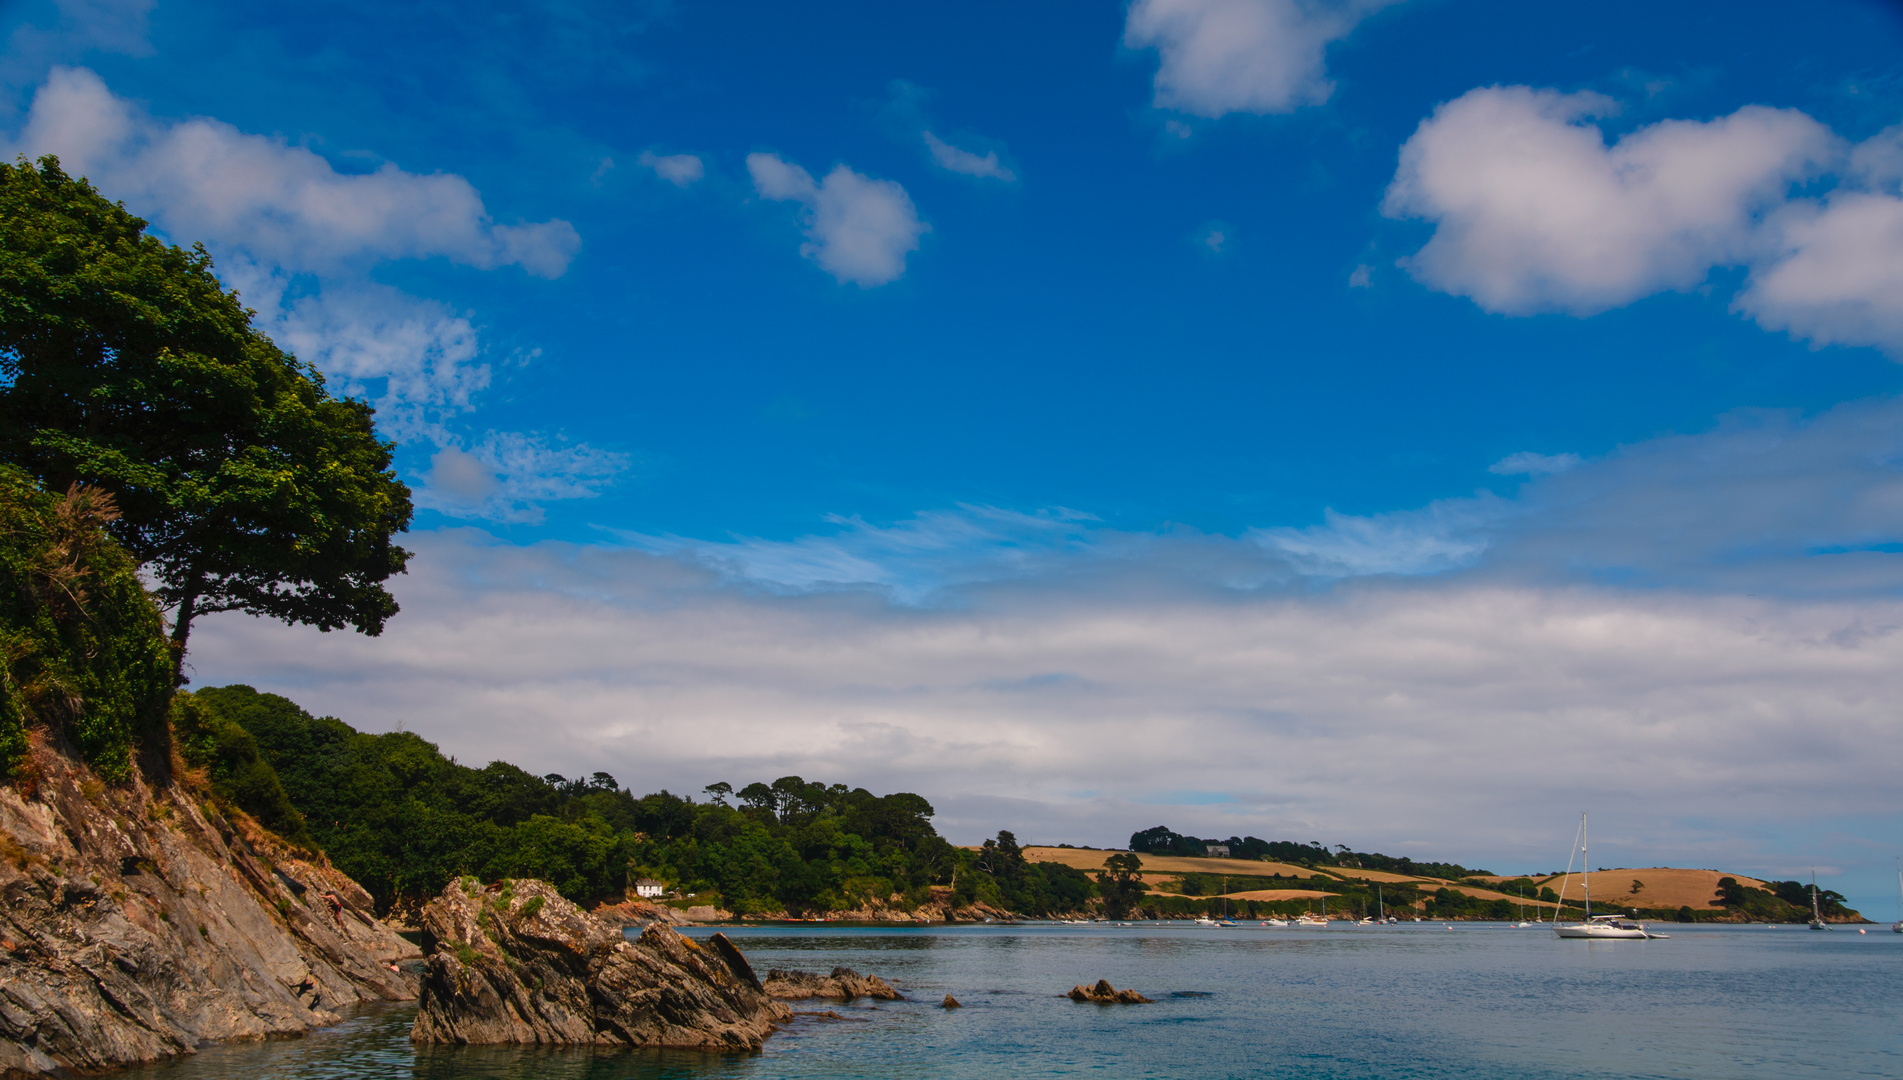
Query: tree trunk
182	629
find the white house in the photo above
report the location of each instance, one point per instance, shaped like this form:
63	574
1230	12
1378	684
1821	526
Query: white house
647	886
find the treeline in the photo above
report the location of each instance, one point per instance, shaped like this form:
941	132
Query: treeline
1783	901
1163	841
404	820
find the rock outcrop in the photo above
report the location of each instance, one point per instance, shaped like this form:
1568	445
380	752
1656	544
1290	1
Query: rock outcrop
1105	994
516	963
844	984
137	922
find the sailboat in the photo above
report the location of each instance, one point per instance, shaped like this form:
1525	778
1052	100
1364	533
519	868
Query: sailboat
1816	921
1897	926
1593	926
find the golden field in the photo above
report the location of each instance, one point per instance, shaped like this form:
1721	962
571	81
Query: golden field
1663	887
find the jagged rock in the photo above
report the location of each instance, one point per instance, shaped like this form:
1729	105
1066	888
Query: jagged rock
1105	994
137	923
516	963
952	1002
844	984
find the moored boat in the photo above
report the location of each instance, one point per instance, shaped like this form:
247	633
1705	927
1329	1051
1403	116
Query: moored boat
1590	926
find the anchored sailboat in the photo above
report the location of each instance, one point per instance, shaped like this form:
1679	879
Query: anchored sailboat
1816	921
1593	926
1897	926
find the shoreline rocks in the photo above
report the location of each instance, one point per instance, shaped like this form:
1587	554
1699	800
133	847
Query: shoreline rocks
517	963
844	984
138	922
1105	994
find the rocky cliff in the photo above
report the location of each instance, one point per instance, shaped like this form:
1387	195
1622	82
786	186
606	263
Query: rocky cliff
137	921
516	963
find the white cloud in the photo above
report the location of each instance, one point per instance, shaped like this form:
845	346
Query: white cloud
206	180
1079	714
1253	56
964	161
508	475
1528	463
1361	276
1069	681
1534	212
858	229
1836	275
677	169
296	238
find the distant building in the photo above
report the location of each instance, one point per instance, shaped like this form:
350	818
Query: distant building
1216	851
647	886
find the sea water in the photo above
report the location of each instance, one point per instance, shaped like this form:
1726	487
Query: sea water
1419	1000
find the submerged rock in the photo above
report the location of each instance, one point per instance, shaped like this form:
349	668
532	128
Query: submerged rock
844	984
951	1003
517	963
137	922
1105	994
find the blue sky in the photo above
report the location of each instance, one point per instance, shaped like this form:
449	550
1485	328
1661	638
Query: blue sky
1331	335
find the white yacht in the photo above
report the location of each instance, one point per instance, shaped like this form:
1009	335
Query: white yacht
1816	921
1897	926
1310	922
1593	926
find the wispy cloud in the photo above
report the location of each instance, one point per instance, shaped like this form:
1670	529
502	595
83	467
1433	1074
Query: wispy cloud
959	160
681	170
1528	463
508	475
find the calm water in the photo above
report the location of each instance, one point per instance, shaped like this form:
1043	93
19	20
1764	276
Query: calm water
1417	1001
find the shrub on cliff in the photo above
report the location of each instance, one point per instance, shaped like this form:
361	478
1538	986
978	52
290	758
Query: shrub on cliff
83	653
237	771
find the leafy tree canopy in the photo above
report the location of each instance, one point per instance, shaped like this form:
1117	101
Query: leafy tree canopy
242	484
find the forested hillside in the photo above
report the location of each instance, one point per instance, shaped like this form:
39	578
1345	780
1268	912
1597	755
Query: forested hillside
400	817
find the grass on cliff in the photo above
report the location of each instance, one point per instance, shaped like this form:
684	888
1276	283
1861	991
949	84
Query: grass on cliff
83	653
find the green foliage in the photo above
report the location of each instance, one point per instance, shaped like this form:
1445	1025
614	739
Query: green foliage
1162	841
243	484
82	646
405	821
238	772
998	874
1121	884
1783	901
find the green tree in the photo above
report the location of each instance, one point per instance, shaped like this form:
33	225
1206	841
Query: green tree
242	484
1121	884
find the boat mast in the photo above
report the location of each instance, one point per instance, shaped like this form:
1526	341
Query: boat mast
1585	869
1381	913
